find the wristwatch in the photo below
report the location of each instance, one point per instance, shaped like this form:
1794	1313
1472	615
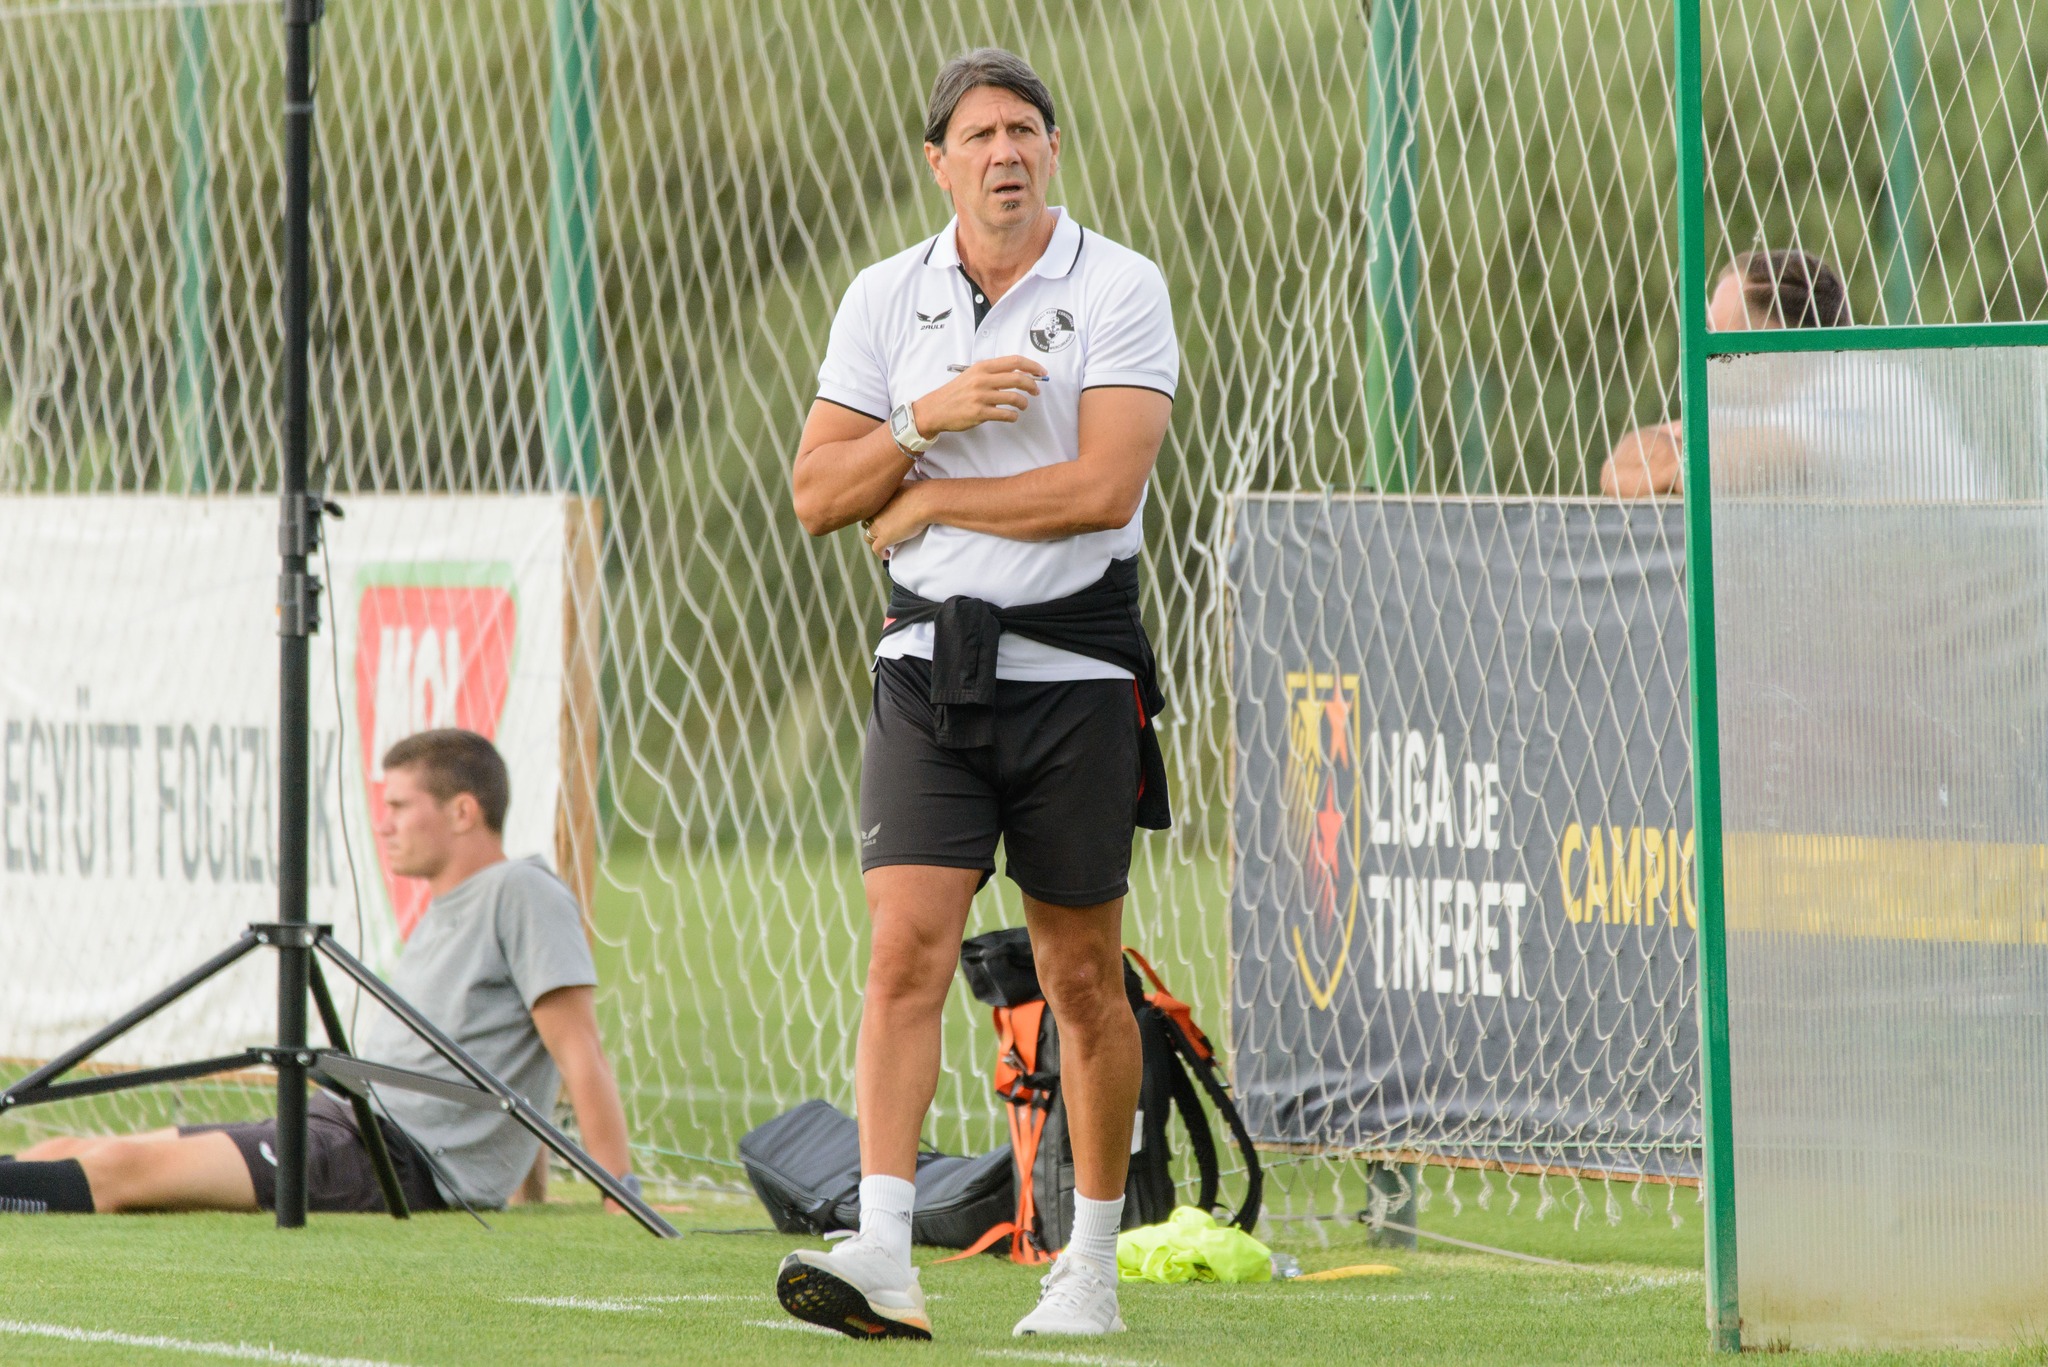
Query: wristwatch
903	427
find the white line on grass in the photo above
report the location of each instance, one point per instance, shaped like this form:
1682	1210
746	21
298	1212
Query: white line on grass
249	1352
1013	1354
797	1325
1069	1359
617	1305
1651	1283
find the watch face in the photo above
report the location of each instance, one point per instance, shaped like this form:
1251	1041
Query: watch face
904	428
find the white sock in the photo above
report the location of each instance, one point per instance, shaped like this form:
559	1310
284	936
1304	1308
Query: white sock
1095	1229
885	1205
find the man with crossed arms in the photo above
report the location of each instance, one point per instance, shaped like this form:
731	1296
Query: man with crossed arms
990	407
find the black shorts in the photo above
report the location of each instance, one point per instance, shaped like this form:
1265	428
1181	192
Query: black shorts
339	1177
1059	786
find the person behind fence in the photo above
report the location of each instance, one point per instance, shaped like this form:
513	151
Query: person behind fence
499	962
990	405
1758	291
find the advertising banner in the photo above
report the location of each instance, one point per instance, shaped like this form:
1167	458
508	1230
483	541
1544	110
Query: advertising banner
139	741
1463	918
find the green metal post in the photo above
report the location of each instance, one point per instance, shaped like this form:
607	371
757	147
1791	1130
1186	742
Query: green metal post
1904	242
1475	398
1723	1308
572	256
1392	263
192	393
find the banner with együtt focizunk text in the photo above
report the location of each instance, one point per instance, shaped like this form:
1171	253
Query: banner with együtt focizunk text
139	737
1463	918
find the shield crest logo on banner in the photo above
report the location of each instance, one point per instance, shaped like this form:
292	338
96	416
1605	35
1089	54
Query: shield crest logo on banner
1323	837
434	646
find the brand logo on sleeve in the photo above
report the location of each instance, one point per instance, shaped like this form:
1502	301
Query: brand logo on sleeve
1053	330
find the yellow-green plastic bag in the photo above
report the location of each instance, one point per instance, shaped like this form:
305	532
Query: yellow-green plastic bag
1191	1247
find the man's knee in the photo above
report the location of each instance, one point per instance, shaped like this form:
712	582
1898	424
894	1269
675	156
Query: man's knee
202	1172
1086	993
119	1171
909	974
910	962
917	914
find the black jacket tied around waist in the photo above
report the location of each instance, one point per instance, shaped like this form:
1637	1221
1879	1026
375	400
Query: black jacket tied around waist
1102	622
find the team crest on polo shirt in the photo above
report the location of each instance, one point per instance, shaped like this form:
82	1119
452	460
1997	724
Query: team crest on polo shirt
1052	330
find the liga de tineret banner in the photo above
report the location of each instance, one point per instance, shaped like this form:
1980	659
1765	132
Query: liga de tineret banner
139	737
1463	917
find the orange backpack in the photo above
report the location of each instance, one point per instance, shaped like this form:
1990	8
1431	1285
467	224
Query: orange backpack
1000	972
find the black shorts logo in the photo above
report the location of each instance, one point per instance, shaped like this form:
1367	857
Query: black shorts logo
1053	330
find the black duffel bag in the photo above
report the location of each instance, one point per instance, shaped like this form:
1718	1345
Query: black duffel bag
805	1167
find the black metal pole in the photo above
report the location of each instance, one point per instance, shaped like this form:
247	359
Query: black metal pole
366	1119
298	611
77	1054
509	1101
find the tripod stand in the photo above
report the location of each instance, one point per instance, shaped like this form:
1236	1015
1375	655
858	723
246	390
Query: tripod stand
333	1067
296	941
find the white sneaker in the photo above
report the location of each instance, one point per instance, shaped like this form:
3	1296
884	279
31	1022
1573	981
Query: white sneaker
857	1289
1077	1297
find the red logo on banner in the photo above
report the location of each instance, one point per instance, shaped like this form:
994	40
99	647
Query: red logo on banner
1324	782
426	656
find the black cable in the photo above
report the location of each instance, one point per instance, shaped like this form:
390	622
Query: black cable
348	850
445	1182
323	335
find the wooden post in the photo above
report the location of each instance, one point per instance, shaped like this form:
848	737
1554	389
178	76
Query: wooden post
582	710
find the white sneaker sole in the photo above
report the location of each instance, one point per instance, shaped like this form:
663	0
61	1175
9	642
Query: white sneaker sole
1116	1327
816	1296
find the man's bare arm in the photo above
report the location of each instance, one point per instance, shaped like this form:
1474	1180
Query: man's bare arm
567	1021
1651	460
533	1188
1121	430
1647	461
848	465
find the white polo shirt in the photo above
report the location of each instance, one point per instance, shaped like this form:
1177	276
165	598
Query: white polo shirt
1095	314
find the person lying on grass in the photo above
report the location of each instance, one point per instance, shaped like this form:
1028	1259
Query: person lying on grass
499	962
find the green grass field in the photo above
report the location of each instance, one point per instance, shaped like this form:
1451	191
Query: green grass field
564	1284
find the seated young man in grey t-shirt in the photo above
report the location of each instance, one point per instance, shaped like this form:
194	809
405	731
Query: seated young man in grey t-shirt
499	962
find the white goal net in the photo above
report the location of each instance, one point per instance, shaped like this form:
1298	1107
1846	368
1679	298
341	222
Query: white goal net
589	252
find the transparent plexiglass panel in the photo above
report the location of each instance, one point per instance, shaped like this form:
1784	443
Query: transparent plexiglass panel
1881	580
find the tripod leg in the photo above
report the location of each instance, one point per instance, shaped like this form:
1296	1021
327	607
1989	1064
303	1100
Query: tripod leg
78	1053
366	1119
510	1101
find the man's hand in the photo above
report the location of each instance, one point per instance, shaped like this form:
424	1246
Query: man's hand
997	390
902	518
848	466
1649	460
1101	489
